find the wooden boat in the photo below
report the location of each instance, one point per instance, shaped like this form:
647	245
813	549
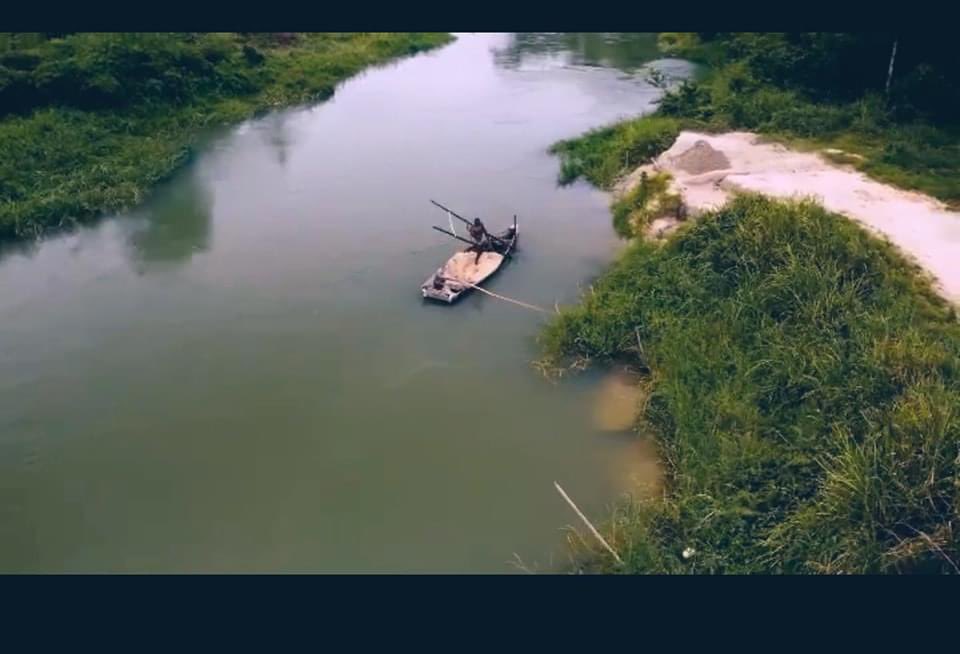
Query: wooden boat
455	277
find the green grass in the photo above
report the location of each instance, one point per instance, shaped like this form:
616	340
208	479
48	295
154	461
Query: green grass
100	119
603	155
688	46
806	396
651	198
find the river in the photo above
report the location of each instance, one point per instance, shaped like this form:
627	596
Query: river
240	374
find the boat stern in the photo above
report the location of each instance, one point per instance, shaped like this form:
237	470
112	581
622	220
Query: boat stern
446	292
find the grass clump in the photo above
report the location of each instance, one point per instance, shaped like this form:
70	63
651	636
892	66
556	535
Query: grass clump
806	385
648	200
603	155
90	122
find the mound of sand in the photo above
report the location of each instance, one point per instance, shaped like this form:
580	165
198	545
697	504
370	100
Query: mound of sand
701	158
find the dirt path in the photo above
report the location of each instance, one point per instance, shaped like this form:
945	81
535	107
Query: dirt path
921	226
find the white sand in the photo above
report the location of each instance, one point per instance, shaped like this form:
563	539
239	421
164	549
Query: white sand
922	227
464	267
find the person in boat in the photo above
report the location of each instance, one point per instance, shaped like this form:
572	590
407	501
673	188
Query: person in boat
481	239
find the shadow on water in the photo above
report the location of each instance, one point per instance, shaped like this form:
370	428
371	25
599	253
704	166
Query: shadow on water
620	50
26	248
174	226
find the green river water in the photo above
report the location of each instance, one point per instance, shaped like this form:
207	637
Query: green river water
240	375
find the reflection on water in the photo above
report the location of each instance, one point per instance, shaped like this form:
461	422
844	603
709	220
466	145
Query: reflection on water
25	248
277	135
620	50
175	225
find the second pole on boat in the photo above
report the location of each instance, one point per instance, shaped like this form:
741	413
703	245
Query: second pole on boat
459	238
467	222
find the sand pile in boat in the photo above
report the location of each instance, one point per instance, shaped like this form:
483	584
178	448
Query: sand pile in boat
464	266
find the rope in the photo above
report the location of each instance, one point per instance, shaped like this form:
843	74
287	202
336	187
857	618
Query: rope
450	218
501	297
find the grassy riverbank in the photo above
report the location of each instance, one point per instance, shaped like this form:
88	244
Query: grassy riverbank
804	385
803	377
91	122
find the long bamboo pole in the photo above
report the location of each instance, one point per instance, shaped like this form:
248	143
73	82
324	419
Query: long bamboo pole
589	524
893	57
459	238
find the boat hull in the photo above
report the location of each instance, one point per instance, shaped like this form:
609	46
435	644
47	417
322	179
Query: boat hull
463	270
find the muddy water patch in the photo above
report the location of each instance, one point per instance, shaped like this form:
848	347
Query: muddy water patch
618	400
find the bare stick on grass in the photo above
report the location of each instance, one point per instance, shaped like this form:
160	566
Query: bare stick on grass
589	524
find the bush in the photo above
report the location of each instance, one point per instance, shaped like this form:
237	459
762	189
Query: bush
116	71
842	67
253	56
689	100
806	119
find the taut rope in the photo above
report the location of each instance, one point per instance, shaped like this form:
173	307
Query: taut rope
501	297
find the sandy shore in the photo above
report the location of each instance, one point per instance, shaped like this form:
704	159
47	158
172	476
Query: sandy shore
922	227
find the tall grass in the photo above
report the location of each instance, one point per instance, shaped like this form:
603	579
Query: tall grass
90	122
806	396
602	155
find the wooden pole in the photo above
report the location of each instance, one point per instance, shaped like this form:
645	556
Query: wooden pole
589	524
893	56
459	217
441	229
451	212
